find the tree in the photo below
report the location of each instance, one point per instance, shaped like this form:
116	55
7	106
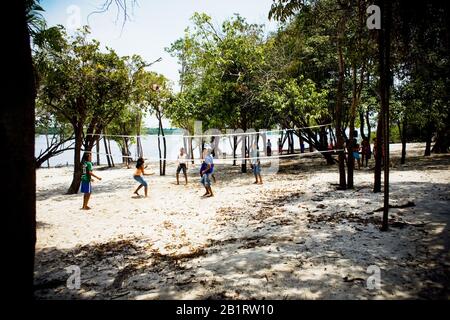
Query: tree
222	75
384	46
60	131
84	86
324	15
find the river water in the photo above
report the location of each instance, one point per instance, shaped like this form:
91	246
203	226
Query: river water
150	149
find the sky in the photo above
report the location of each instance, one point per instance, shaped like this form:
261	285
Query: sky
153	25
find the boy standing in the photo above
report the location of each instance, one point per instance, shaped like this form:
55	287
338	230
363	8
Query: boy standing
205	172
256	164
86	179
182	165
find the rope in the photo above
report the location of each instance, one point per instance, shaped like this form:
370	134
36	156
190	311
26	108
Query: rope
222	160
209	135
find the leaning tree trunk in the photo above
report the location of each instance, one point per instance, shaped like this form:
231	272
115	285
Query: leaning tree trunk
17	131
369	128
48	145
361	127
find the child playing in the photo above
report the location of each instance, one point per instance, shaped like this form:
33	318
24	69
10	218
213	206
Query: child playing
86	179
356	155
205	172
256	164
182	165
366	152
138	176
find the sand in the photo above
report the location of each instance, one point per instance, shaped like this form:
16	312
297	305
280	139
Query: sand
294	237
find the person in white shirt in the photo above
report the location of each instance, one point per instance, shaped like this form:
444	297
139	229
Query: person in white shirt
182	165
269	148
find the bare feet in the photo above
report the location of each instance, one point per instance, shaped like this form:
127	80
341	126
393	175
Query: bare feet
86	208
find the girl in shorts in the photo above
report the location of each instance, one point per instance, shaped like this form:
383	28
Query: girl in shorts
138	176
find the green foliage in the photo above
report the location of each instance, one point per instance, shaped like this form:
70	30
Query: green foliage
78	82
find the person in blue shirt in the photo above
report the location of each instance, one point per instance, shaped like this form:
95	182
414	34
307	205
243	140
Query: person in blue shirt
205	172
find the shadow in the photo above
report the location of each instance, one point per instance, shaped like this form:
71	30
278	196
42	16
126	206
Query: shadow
42	225
294	245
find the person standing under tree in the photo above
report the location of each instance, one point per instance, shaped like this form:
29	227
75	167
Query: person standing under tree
280	146
205	172
356	155
86	179
182	165
366	152
256	164
269	148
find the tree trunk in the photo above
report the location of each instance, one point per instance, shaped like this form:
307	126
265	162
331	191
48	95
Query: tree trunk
98	150
18	164
361	127
48	145
350	146
165	151
192	150
442	143
428	141
159	151
402	131
107	152
140	151
339	107
76	179
311	146
110	152
244	155
301	142
385	83
125	152
369	128
234	149
162	160
378	155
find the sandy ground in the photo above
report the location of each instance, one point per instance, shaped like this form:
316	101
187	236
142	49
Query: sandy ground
294	237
